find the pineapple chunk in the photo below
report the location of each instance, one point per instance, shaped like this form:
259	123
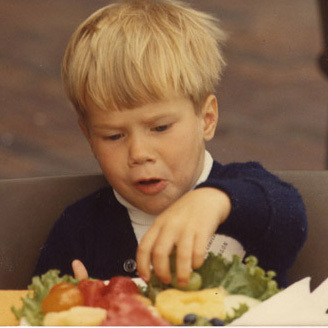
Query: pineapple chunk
173	305
76	316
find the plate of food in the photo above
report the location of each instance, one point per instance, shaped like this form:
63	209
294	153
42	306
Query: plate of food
218	293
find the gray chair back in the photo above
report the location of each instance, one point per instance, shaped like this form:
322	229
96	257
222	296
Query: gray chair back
312	261
29	207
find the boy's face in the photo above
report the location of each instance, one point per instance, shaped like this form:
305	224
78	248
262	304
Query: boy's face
153	154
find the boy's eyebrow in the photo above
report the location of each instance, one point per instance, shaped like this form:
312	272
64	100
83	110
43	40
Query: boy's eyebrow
157	117
146	120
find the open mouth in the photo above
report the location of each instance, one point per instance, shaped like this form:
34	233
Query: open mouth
149	182
151	186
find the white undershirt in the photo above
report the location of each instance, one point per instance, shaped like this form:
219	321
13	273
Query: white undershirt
141	221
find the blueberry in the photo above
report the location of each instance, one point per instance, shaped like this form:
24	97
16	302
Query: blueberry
216	322
190	319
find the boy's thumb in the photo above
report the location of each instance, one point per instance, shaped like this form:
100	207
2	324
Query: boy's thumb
80	271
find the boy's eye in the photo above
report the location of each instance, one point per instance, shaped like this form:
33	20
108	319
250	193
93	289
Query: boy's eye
161	128
113	137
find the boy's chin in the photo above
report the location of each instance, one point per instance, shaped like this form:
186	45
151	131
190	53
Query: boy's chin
154	208
153	211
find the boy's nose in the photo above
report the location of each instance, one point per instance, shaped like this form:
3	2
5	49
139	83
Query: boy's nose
140	151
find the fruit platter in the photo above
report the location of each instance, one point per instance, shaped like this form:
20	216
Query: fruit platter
218	293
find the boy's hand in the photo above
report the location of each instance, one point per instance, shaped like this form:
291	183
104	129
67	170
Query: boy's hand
187	224
80	271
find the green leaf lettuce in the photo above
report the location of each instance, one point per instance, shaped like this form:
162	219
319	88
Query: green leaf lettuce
237	277
39	288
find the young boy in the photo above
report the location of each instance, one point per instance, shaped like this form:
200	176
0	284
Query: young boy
142	76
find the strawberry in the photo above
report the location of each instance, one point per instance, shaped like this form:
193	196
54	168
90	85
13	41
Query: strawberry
127	310
92	290
120	284
97	294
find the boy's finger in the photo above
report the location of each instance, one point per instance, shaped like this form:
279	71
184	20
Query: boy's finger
184	260
143	256
80	271
161	259
199	252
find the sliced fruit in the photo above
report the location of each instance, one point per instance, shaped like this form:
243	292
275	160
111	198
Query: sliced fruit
128	310
173	305
122	284
76	316
62	297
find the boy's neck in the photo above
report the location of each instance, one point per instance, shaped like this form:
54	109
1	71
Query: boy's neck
208	163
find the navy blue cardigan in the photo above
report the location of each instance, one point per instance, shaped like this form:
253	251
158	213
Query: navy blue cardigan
268	218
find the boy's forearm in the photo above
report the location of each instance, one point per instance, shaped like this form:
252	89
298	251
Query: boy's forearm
221	198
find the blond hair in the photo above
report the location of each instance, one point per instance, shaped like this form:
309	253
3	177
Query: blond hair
132	53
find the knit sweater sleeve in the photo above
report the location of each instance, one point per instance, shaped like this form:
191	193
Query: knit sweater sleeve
268	216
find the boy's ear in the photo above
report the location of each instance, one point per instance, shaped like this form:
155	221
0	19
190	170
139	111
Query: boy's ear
210	117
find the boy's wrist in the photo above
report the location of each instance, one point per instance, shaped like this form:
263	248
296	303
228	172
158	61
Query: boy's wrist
218	199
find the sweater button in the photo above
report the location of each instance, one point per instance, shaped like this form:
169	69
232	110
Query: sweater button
129	265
